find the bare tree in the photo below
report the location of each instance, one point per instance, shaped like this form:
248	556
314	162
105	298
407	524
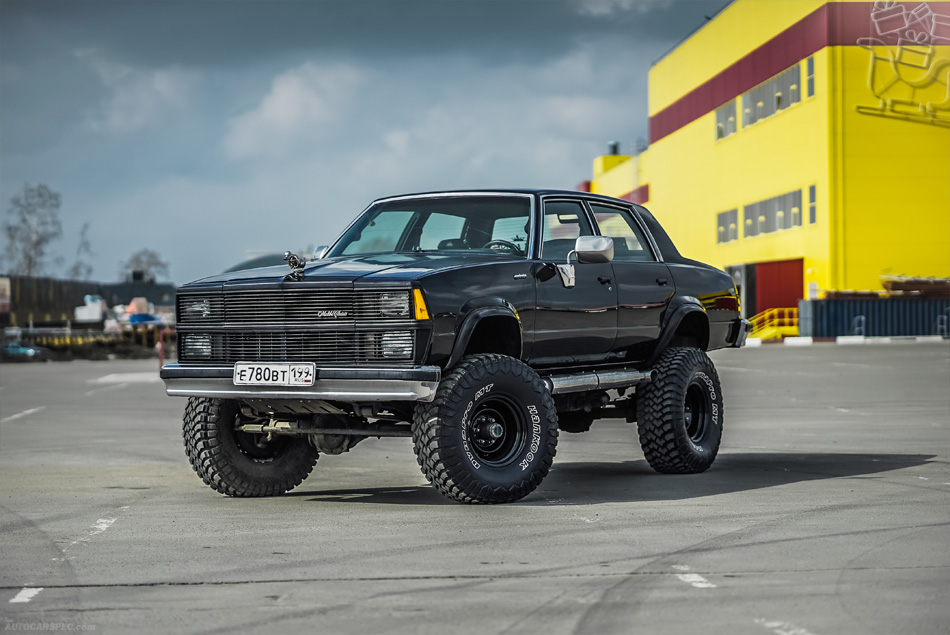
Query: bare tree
81	269
32	226
148	262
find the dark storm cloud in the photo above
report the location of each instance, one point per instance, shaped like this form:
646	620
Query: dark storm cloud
227	126
228	32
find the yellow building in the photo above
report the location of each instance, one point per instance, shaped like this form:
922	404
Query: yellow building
802	145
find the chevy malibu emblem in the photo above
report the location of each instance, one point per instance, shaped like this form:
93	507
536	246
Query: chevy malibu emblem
332	314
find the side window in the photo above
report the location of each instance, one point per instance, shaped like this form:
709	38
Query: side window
564	222
629	244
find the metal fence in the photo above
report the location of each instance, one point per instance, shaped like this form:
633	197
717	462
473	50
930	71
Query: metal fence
882	317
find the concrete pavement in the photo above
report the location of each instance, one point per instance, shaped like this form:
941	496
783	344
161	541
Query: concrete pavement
827	511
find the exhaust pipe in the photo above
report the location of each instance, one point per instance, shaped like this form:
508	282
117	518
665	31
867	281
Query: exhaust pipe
596	380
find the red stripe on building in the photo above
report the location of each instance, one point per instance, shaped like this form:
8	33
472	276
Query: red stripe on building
640	195
833	24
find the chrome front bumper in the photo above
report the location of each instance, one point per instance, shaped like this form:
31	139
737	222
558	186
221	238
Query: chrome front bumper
332	384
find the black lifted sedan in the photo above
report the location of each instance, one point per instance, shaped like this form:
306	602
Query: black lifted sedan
479	323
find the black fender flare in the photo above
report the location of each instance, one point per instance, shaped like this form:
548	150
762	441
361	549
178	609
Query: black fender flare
473	312
679	308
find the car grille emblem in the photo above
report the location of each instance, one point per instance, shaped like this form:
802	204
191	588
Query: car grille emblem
296	263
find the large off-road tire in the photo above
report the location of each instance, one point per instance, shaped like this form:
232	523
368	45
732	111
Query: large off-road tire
490	435
680	413
238	463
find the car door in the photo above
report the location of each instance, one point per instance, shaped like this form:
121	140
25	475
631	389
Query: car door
577	324
644	284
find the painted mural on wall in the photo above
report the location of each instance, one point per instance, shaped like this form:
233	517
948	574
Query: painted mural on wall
908	72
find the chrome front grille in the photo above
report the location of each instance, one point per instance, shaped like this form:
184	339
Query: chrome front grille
292	307
330	327
324	347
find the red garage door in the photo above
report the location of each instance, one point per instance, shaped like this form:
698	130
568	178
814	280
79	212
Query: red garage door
778	284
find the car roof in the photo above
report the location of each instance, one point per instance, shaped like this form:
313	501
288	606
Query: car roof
522	191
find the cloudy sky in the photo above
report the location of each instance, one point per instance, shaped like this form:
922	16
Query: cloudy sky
211	130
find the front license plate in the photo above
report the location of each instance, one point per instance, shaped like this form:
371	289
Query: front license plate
276	374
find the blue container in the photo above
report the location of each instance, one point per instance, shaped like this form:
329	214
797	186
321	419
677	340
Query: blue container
882	317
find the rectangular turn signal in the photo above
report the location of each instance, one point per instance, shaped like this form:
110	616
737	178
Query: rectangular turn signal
422	312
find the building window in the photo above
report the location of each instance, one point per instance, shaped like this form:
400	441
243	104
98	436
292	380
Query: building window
751	219
773	214
726	120
727	224
812	205
771	96
810	76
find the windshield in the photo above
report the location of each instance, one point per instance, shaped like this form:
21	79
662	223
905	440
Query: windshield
479	224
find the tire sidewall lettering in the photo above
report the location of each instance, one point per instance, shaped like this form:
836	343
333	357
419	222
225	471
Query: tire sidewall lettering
466	442
535	443
476	459
713	396
534	433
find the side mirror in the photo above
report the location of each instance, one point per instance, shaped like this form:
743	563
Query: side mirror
589	249
318	252
593	249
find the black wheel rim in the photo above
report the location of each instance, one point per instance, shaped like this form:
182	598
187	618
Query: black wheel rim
497	429
696	411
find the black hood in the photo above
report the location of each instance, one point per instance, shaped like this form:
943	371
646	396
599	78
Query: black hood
380	268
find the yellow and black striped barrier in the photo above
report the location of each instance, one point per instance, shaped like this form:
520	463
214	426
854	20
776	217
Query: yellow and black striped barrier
73	340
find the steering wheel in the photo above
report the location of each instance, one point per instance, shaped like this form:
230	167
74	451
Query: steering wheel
504	243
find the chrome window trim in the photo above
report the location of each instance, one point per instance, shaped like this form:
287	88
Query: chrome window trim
555	198
651	244
646	232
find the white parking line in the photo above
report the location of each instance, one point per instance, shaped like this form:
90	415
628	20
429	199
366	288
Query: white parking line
105	388
25	595
20	415
783	628
127	378
696	580
693	579
848	411
100	526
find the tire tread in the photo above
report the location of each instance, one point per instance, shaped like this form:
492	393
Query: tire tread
434	445
202	425
659	409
